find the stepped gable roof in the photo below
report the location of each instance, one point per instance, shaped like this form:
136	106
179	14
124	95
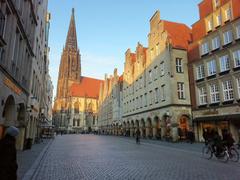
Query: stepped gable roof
180	34
88	87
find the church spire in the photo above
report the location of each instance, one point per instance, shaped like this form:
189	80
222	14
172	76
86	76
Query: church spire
71	42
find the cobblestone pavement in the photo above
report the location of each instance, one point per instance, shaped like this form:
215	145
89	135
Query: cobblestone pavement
73	157
26	158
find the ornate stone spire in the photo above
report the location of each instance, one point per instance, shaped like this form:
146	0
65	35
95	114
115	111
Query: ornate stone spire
71	42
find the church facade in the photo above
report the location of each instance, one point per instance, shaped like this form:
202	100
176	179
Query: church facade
76	103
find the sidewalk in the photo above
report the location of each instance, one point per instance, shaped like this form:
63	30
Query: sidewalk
26	158
195	147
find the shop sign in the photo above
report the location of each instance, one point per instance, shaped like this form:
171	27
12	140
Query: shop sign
210	112
12	86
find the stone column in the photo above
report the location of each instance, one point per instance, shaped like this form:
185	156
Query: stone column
154	129
131	131
147	132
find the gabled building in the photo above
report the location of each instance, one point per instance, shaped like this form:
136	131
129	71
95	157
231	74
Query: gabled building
76	103
214	63
110	104
155	82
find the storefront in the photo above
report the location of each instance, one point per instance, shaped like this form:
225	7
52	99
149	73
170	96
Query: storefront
220	123
12	107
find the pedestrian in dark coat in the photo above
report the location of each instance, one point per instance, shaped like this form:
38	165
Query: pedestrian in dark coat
8	155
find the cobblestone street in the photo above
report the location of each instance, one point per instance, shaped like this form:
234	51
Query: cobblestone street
107	157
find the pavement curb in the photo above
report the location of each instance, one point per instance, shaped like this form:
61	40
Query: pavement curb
33	169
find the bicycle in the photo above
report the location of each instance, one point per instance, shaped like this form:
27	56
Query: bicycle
208	151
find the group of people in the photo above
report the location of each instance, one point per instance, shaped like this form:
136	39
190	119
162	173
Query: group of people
217	142
8	154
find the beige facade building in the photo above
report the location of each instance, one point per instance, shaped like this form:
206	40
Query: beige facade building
38	101
155	87
17	34
214	63
110	104
155	82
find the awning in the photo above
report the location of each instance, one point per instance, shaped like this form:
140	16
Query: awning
228	117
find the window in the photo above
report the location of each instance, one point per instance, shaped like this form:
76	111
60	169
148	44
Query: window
151	97
2	23
151	54
209	25
215	43
238	86
179	67
204	48
181	90
141	101
214	93
157	49
162	68
155	73
227	90
216	3
236	57
157	95
218	20
150	76
163	92
224	63
200	71
202	95
238	31
228	14
227	37
145	99
211	67
137	103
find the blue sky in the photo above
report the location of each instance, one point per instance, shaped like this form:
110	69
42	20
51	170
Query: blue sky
107	28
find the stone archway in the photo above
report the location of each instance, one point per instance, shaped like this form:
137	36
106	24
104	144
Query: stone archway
10	112
143	128
157	128
149	128
183	126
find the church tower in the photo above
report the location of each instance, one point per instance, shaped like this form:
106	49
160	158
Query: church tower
70	65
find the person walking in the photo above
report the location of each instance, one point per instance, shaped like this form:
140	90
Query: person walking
8	154
138	136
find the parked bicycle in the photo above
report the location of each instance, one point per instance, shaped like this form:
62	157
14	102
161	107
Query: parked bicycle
210	150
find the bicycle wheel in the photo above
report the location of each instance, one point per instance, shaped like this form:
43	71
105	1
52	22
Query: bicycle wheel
206	152
224	157
233	154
